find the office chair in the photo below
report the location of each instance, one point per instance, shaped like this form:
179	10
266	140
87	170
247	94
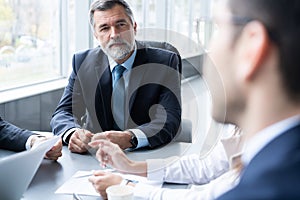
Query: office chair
185	130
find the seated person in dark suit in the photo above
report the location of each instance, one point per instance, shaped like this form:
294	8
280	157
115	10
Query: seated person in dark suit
141	109
17	139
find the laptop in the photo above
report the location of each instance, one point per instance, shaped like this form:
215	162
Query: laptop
17	170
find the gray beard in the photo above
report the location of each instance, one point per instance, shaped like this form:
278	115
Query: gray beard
118	53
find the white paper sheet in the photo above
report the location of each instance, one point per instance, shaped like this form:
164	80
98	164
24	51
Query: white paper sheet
80	185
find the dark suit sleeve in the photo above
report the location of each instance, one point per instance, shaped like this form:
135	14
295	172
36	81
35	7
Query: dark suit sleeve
164	93
70	108
12	137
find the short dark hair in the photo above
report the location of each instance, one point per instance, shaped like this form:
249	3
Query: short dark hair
281	19
103	5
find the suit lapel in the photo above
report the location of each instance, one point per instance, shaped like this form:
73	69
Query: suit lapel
136	76
103	92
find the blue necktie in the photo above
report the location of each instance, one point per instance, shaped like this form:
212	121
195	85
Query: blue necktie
118	98
117	73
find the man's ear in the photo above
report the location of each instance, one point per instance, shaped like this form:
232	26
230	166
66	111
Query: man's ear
135	27
95	35
252	49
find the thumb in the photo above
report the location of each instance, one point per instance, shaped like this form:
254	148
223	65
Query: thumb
95	143
89	134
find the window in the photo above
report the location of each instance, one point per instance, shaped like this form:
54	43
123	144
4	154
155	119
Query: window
37	38
175	21
30	42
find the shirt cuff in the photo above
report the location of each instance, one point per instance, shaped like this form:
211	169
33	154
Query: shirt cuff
141	138
156	169
143	191
28	142
67	133
30	138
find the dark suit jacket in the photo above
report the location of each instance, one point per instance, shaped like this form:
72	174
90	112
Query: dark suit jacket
274	173
154	79
12	137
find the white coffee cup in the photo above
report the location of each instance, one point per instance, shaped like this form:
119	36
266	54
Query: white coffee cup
120	192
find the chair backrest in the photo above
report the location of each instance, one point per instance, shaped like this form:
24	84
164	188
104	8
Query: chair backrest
188	67
160	45
163	45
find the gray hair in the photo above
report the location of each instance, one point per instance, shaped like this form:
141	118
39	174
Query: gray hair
103	5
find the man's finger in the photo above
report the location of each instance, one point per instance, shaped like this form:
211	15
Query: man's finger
76	148
99	136
95	144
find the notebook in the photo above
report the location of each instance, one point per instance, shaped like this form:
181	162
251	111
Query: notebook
17	170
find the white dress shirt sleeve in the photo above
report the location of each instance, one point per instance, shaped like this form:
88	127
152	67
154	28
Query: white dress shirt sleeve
178	170
209	191
147	192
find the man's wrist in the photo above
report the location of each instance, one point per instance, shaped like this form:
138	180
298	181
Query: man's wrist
128	182
37	138
133	140
67	135
141	138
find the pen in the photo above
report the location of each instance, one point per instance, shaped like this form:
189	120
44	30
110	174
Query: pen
89	149
76	196
90	173
82	176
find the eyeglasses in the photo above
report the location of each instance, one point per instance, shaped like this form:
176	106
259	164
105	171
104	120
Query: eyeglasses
238	21
206	27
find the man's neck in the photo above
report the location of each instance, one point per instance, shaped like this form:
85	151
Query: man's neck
259	117
124	59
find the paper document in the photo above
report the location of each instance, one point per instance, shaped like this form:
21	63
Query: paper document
80	185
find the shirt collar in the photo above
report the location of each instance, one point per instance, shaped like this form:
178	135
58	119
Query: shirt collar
127	64
264	137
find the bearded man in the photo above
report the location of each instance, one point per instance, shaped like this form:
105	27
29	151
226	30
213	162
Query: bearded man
121	91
